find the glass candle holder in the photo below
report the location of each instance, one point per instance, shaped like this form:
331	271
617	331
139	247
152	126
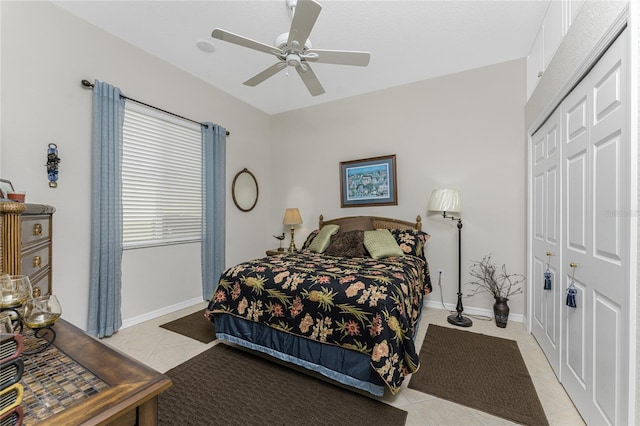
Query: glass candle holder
6	323
14	290
42	311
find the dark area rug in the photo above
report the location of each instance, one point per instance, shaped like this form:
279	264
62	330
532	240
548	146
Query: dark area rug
195	326
228	386
479	371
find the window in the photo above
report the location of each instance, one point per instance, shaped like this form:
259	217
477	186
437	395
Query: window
161	179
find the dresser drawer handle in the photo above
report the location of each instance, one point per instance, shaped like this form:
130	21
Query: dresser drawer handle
37	229
37	261
37	292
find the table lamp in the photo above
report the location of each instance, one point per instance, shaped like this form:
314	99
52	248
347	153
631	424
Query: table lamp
292	217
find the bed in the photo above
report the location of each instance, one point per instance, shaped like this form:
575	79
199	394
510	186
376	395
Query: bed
347	305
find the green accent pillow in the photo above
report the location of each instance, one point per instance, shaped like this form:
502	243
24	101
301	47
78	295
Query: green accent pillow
380	244
322	240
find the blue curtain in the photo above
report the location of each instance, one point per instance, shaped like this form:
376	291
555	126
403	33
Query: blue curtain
214	140
106	211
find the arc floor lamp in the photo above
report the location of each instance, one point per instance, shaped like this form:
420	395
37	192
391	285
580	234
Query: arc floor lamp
445	201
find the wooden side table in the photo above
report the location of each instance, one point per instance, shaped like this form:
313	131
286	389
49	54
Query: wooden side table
132	395
275	252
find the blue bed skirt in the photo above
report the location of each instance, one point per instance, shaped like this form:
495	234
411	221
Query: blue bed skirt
345	366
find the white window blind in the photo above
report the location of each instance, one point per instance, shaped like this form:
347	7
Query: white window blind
161	179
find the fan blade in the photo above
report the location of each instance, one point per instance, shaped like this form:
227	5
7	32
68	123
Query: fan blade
310	80
304	18
244	42
259	78
340	57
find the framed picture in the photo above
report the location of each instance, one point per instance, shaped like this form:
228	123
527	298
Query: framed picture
368	182
5	188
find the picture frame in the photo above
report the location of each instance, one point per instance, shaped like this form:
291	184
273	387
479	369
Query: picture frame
369	182
5	187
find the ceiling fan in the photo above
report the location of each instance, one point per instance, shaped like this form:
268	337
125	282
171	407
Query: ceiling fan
294	48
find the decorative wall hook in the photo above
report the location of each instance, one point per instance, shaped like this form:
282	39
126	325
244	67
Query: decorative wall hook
52	165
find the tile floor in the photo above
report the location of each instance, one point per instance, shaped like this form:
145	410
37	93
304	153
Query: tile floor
141	343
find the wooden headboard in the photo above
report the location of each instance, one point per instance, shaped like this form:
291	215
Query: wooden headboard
379	222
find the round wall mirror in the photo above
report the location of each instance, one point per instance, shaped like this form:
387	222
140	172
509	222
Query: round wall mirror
244	190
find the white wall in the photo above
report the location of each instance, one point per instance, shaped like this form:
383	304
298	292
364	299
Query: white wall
462	131
635	126
46	52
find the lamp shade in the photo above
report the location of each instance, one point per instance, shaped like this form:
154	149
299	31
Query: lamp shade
445	200
292	217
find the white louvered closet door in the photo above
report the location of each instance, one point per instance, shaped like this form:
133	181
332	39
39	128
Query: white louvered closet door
545	321
596	220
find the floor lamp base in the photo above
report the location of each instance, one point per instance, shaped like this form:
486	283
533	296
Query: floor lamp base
459	320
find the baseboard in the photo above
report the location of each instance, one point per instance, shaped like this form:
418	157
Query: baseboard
129	322
471	310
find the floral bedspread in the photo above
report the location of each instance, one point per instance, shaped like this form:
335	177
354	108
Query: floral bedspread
362	304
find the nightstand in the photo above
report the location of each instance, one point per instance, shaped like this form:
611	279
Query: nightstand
275	252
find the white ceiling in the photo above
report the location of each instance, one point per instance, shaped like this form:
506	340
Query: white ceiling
408	40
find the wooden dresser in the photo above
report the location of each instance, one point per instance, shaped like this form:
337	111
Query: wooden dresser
25	243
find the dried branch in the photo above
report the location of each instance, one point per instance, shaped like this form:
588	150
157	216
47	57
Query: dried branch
498	283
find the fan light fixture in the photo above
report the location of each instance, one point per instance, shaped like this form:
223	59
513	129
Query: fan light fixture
294	48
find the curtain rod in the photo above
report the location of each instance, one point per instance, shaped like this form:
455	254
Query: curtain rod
89	85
